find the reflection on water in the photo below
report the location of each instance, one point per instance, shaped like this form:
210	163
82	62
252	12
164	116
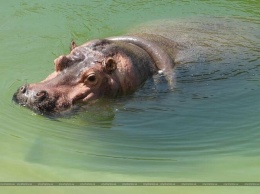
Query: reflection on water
203	126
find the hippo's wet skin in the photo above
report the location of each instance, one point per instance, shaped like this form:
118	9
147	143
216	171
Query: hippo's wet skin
99	68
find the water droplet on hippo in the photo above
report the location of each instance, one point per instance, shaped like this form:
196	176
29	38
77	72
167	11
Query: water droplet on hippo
160	72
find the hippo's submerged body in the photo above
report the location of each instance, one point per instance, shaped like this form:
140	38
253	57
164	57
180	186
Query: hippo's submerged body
118	65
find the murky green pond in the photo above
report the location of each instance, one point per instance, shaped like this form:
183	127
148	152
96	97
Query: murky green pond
205	128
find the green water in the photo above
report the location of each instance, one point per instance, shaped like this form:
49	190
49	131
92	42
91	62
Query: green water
204	129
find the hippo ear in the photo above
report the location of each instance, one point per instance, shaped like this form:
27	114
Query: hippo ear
72	45
110	65
61	63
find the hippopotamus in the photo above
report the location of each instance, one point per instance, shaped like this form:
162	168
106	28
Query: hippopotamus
117	66
101	68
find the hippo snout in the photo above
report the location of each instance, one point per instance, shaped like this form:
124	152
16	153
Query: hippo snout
24	95
38	100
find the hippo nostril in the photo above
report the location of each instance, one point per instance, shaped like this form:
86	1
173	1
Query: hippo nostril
23	89
41	95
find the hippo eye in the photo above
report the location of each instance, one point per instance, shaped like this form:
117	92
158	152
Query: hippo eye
91	79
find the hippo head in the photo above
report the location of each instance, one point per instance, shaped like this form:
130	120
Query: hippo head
96	69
